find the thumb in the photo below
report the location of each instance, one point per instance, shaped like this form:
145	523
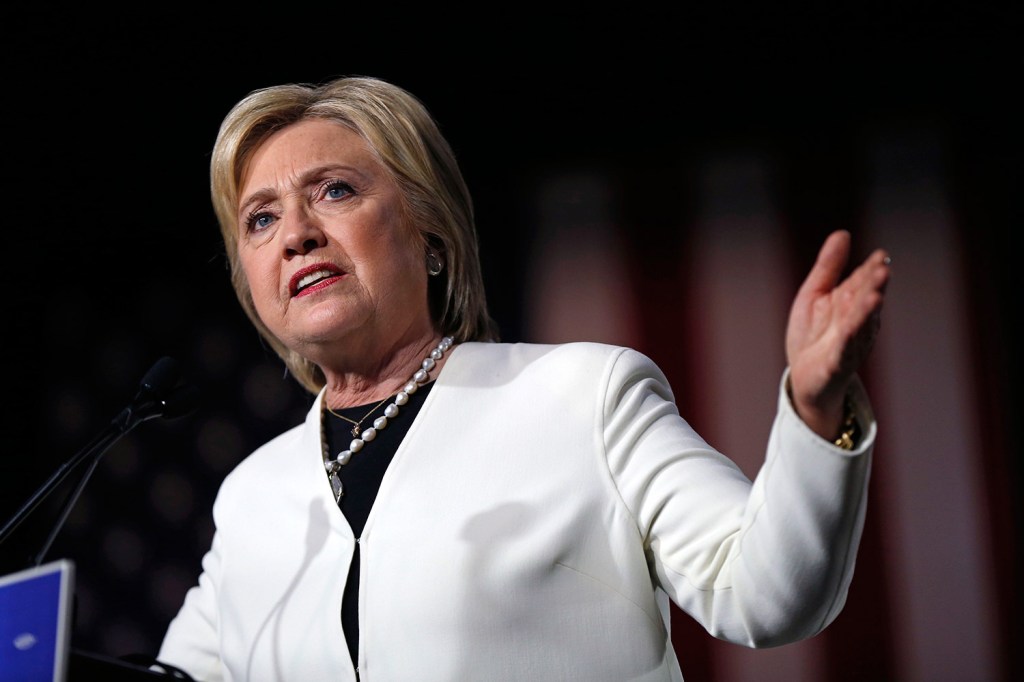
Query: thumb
828	267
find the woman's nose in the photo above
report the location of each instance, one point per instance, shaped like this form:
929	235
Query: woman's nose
302	235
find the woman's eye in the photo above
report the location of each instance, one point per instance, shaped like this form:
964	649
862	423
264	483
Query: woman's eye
337	190
259	221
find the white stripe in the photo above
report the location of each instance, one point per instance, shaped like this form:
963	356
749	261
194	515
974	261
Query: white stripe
929	454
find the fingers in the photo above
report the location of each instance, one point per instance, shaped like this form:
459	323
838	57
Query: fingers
865	291
880	263
833	258
872	276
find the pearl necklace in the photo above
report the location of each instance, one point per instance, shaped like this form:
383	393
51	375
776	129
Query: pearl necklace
420	377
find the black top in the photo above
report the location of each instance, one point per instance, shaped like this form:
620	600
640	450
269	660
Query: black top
361	479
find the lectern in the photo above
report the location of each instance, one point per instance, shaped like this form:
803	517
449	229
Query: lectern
36	613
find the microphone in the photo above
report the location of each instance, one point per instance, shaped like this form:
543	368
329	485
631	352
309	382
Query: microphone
160	394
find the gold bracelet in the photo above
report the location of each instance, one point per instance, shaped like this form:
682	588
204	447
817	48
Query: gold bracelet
851	429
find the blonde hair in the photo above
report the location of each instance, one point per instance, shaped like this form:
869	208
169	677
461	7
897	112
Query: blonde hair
406	139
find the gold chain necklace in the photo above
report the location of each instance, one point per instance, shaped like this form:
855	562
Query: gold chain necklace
357	424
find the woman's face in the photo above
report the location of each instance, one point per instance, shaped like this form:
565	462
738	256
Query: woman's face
324	247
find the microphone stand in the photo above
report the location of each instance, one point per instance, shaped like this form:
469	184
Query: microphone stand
155	399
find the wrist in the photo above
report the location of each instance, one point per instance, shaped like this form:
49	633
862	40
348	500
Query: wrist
834	419
849	431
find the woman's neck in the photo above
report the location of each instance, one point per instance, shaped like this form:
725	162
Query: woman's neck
358	383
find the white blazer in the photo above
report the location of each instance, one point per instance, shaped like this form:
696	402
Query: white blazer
546	504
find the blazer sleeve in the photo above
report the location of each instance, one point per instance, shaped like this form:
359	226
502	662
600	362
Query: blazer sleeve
759	563
192	640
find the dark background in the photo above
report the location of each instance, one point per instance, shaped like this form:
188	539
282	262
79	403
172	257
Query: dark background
113	258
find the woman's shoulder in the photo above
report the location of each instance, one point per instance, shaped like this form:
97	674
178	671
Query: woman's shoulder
529	351
567	358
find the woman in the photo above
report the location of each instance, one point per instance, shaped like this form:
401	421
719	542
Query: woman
454	508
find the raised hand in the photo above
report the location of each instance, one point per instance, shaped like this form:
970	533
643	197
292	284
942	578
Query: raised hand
832	327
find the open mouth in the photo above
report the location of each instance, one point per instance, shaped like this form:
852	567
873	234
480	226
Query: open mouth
313	278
